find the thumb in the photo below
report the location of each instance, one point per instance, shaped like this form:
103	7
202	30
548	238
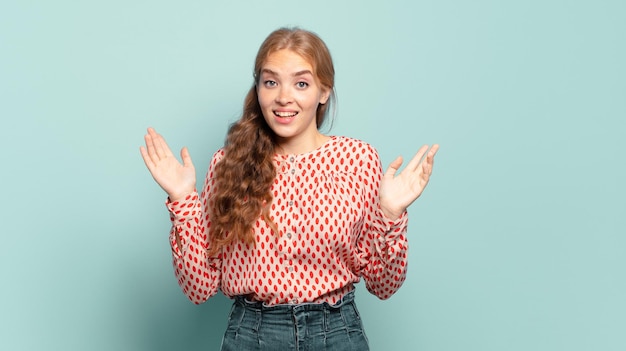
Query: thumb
184	154
393	167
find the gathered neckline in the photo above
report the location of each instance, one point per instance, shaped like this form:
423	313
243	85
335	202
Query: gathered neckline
331	140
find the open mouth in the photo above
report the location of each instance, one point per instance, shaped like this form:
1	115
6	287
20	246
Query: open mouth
281	114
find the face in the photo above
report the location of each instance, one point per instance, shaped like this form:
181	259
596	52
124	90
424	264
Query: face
289	94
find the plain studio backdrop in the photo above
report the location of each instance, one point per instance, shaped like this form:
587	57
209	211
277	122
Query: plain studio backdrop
517	244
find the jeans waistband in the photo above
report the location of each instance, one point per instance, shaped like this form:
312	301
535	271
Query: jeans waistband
261	306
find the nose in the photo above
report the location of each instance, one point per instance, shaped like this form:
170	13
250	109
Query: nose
284	96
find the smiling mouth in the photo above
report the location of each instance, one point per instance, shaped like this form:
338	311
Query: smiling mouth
285	114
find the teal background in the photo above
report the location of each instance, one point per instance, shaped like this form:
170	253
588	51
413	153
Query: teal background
517	244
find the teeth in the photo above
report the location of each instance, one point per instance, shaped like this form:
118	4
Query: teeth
285	114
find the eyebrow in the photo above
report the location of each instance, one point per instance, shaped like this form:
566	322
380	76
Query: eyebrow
297	74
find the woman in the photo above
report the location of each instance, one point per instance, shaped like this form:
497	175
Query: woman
289	219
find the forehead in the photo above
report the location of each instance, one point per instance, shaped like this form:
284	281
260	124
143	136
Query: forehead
286	61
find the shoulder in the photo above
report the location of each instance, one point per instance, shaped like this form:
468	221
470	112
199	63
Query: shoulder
352	147
217	157
349	155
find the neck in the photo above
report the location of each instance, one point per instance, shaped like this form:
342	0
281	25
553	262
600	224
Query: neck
291	146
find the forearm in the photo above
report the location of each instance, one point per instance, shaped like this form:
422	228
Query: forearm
387	263
196	273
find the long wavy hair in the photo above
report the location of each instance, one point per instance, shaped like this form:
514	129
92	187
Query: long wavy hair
243	178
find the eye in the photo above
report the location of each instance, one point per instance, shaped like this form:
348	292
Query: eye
269	83
302	85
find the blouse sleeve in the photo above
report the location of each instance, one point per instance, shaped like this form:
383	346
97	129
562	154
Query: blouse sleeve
198	274
382	245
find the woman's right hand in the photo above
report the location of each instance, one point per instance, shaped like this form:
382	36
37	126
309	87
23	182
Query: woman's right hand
178	180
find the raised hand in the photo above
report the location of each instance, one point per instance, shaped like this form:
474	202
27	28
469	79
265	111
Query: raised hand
178	180
397	192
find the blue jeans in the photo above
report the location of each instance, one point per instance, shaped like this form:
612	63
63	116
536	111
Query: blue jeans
311	327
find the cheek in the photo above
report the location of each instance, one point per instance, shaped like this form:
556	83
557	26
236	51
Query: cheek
307	101
264	103
314	103
262	97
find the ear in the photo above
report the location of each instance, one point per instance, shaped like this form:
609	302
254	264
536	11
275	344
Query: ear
325	95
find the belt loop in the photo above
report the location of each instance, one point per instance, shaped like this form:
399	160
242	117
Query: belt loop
326	318
259	318
342	311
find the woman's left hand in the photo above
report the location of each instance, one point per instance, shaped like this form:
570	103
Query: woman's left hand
397	192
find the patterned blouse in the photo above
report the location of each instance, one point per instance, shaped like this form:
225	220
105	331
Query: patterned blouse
332	232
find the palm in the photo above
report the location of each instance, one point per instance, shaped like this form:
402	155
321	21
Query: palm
175	178
397	192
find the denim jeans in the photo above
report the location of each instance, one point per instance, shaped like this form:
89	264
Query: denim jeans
311	327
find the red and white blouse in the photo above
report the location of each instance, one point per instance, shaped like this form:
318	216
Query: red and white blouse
332	232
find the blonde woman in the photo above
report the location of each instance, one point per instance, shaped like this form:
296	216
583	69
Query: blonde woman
289	219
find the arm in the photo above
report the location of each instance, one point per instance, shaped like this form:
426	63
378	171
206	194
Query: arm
382	245
384	241
197	274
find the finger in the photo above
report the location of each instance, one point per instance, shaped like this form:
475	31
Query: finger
427	167
161	148
146	158
427	170
417	159
393	167
184	154
433	151
151	149
430	158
